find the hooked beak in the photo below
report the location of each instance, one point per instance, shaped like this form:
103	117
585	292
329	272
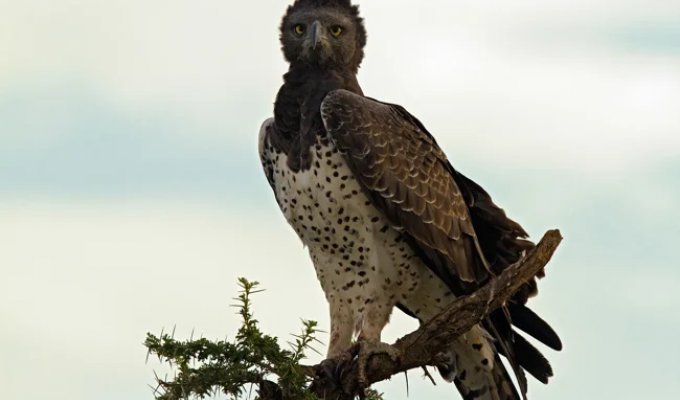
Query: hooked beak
315	32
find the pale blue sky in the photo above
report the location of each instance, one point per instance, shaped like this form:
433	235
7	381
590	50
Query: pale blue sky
131	196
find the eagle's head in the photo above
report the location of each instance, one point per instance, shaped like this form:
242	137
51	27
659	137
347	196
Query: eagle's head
324	33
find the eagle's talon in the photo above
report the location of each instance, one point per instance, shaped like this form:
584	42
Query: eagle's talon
335	369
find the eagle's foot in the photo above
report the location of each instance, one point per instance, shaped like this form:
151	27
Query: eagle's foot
333	370
368	349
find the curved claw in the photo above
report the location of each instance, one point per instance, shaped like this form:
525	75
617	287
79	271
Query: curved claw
332	371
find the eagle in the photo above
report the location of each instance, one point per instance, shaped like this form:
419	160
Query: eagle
387	220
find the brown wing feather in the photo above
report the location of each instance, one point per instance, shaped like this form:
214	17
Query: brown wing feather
406	173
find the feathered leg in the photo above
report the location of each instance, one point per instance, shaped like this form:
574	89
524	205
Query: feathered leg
476	369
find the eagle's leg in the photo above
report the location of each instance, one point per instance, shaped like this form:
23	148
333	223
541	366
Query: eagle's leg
374	320
341	352
342	329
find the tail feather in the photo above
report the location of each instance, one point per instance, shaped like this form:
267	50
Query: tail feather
503	381
517	350
528	321
532	360
504	339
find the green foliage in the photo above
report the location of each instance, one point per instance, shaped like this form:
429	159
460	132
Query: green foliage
204	368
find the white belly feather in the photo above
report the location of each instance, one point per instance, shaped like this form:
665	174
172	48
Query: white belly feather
359	258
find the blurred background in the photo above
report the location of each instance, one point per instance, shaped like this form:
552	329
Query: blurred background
131	195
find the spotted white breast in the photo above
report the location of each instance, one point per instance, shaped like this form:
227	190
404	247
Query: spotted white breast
364	266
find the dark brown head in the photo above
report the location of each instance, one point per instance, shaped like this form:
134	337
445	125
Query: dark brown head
326	33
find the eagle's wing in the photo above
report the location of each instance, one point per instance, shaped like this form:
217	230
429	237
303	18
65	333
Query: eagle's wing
409	178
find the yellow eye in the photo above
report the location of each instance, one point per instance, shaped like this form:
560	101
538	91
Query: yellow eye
299	29
336	31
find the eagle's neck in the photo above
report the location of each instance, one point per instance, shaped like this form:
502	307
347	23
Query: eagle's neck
297	109
315	77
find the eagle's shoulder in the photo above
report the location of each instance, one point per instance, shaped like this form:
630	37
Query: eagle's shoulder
338	96
340	101
265	128
264	149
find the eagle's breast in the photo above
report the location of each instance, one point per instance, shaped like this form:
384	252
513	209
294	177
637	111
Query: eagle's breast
359	258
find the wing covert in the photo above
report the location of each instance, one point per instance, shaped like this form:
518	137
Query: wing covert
409	178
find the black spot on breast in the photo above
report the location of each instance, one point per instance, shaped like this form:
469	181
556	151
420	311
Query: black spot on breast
349	285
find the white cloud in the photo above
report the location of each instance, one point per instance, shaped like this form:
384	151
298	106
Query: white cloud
528	82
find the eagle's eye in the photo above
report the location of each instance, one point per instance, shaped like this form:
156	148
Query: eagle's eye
299	29
336	30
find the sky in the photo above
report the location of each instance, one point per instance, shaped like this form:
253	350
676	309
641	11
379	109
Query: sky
131	195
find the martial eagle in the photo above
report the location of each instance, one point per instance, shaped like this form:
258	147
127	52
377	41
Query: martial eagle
386	218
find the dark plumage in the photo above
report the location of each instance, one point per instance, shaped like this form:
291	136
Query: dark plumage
387	219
